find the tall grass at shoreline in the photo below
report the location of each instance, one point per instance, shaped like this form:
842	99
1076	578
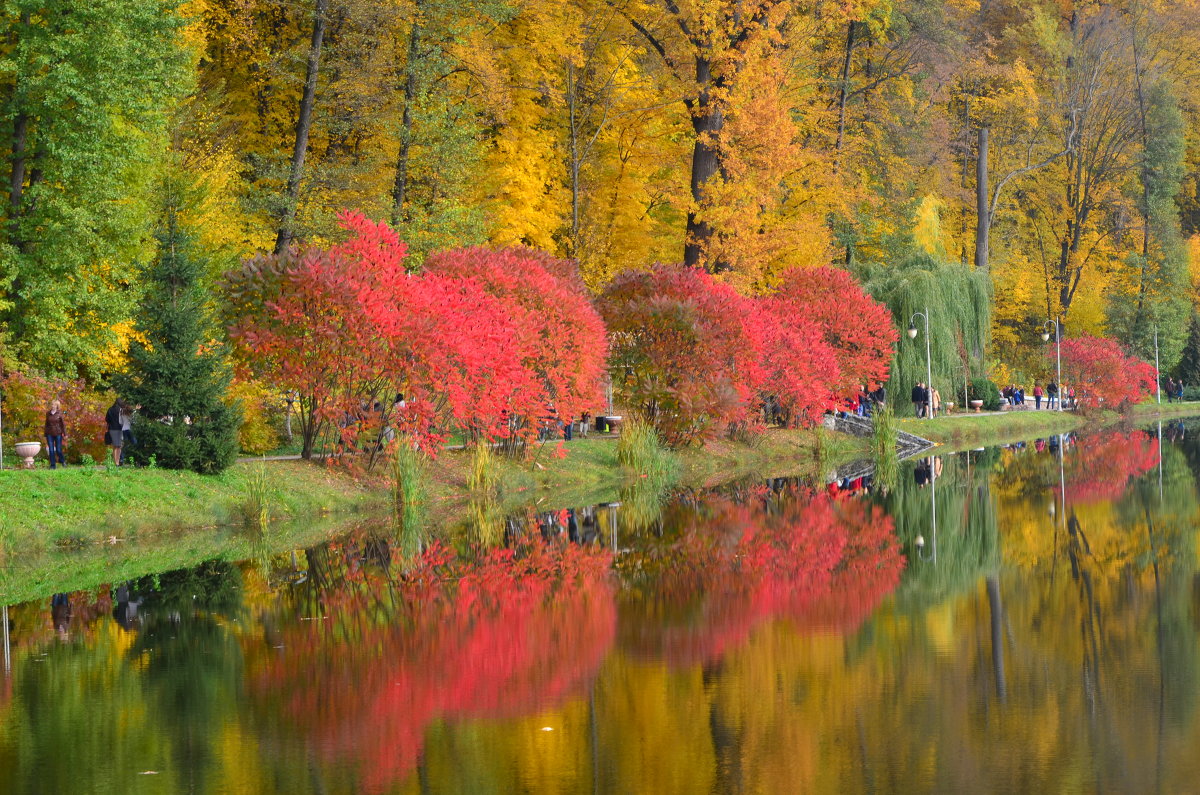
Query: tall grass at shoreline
883	446
408	482
640	450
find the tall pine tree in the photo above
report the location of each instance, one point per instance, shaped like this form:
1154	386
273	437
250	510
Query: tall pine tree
1188	370
178	375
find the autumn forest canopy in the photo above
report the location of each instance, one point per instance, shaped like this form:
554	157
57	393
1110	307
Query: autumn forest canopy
999	162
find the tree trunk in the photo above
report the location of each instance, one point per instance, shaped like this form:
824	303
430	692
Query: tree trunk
707	121
983	214
572	92
400	188
303	127
843	93
997	615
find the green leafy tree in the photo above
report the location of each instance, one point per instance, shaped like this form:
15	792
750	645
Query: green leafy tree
1155	299
177	372
85	89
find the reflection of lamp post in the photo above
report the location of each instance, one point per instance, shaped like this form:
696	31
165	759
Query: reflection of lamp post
1058	354
920	539
7	650
912	334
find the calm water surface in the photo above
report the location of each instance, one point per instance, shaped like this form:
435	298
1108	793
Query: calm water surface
768	637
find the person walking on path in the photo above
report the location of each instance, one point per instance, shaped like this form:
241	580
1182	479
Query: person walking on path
55	430
1052	395
920	396
935	402
113	436
1037	395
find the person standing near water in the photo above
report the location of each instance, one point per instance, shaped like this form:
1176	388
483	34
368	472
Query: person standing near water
55	430
1037	395
127	437
114	438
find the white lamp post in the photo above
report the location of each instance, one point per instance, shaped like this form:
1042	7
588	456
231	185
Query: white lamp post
920	539
1057	353
912	334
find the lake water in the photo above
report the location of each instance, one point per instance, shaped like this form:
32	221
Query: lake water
771	637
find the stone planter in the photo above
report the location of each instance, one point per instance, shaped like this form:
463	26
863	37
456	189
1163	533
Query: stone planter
609	424
949	408
977	405
26	451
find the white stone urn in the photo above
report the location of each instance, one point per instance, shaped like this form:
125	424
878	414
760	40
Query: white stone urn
977	405
26	452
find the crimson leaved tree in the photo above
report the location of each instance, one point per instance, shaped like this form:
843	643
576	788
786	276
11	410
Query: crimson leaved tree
857	328
483	341
316	322
1100	372
685	354
559	336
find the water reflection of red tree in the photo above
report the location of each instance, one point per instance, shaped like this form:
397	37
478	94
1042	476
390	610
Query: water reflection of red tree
824	565
1100	467
500	637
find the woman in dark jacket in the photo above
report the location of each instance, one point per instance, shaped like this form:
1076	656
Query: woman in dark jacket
115	438
55	430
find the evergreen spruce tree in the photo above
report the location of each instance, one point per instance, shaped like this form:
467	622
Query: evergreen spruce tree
179	375
1189	366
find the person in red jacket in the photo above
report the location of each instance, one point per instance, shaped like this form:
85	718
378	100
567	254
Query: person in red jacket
1037	396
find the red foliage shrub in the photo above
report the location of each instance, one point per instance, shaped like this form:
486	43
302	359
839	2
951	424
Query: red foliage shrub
316	322
559	336
27	398
685	352
1101	373
857	328
485	341
799	369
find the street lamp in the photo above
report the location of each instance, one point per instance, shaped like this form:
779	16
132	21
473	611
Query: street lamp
1157	374
912	334
1057	354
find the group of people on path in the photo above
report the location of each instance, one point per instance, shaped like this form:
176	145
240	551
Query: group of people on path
927	402
867	401
1015	395
1174	390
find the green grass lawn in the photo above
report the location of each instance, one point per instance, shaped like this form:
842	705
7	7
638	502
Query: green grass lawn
44	507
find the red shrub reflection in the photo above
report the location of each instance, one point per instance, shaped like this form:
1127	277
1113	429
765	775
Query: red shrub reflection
822	565
494	638
1100	467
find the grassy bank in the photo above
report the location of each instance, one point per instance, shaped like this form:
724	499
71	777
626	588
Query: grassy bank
75	529
79	505
969	430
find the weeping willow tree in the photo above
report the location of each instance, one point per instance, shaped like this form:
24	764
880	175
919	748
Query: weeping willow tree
967	538
958	300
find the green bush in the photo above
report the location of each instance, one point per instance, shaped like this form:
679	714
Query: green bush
983	389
